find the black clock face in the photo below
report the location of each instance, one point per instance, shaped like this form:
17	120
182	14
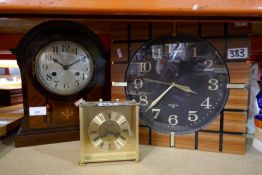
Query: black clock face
179	83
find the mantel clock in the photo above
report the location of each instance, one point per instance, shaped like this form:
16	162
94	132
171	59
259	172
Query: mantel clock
61	62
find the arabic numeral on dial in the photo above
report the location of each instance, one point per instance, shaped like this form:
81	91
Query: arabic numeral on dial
213	84
55	49
48	77
138	83
206	104
156	111
65	48
192	116
77	83
66	86
56	83
47	57
194	54
143	100
146	67
209	66
172	120
44	67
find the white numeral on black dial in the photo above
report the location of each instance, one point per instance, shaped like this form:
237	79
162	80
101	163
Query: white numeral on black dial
146	67
213	84
192	116
156	111
172	120
143	100
138	83
206	103
209	64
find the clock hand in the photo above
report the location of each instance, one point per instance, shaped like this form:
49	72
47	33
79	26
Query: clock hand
181	87
56	61
155	81
160	97
184	88
69	65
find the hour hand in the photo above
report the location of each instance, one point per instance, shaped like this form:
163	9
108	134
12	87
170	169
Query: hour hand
184	88
56	61
179	86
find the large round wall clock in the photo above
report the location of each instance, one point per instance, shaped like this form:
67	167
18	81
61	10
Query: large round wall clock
180	83
60	62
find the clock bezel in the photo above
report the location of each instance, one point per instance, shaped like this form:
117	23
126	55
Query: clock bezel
36	73
219	109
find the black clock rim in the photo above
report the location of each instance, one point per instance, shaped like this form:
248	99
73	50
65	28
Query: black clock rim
61	30
156	40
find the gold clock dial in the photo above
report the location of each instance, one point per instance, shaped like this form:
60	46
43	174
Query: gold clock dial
109	131
64	67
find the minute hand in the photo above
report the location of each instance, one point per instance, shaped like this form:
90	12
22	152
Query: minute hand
69	65
160	97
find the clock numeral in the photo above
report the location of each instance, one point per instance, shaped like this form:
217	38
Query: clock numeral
157	51
66	86
209	64
138	83
56	83
146	66
48	77
45	67
99	119
213	84
173	50
93	132
143	100
172	120
206	103
97	141
65	48
83	76
73	51
48	57
121	120
77	83
55	49
194	54
122	137
192	116
157	111
119	143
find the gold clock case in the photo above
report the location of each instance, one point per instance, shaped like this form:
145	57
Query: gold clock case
88	111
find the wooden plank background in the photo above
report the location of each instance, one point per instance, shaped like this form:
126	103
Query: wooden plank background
226	132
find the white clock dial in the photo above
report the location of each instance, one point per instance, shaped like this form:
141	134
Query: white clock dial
64	67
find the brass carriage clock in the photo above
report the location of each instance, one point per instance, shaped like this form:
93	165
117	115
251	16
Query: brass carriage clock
108	131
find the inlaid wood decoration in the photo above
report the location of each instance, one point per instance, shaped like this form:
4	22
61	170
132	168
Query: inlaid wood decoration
225	132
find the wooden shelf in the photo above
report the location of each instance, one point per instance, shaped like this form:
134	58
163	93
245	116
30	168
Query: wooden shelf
10	118
222	8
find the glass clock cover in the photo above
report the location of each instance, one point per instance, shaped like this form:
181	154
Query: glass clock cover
63	67
179	83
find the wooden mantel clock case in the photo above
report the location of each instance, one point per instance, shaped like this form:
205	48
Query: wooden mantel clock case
61	62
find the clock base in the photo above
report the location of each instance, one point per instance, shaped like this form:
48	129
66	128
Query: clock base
46	137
